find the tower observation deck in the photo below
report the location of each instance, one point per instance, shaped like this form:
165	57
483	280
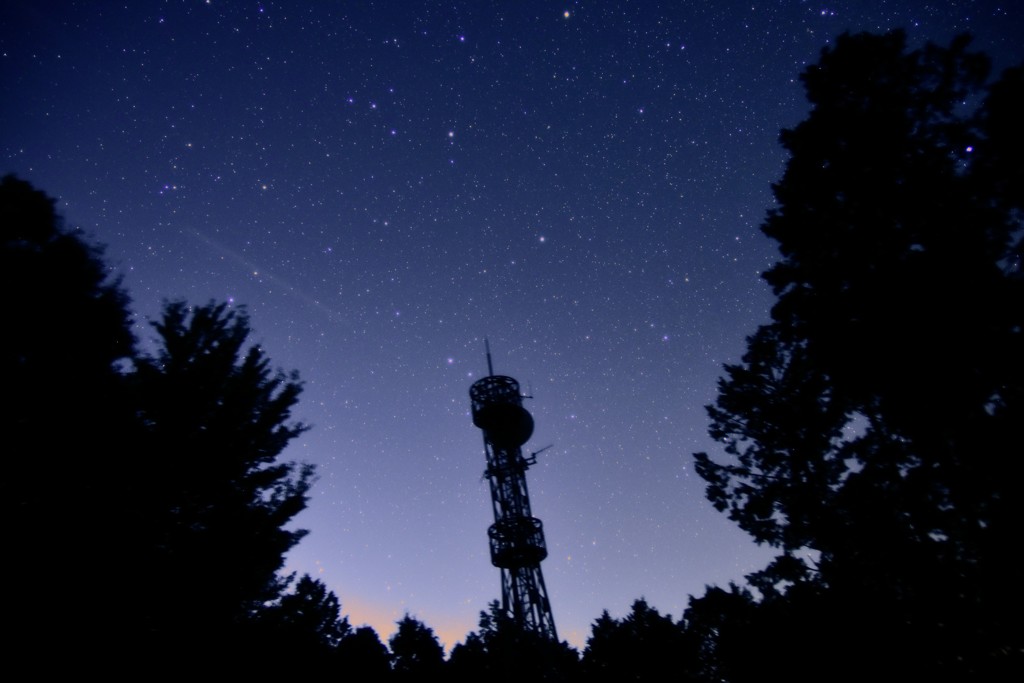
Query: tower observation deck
516	537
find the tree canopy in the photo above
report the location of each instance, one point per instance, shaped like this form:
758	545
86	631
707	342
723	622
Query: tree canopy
505	651
870	424
214	499
363	656
640	647
67	334
298	634
157	477
416	653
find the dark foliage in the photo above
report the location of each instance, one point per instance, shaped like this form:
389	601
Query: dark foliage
215	501
503	651
720	643
305	625
871	424
144	499
362	657
67	334
640	647
469	660
415	651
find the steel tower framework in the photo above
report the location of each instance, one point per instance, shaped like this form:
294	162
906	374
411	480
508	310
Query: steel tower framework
516	537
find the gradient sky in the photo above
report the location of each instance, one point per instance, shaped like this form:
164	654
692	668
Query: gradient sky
385	184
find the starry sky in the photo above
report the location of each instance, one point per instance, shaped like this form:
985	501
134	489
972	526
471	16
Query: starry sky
385	184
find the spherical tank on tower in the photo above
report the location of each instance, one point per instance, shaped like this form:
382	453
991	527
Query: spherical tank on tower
498	410
505	424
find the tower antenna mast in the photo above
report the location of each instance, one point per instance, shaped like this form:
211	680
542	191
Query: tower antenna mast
516	537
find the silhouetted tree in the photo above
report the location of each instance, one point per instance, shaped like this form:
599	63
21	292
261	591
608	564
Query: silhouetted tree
469	661
720	642
143	493
362	656
415	651
872	422
603	652
66	336
503	651
214	496
640	647
306	624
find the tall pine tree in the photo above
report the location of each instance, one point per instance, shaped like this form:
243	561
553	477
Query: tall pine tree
871	425
66	338
144	499
214	497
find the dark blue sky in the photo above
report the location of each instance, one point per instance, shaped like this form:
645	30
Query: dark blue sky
384	184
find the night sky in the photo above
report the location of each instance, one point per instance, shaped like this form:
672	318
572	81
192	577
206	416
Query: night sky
385	184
